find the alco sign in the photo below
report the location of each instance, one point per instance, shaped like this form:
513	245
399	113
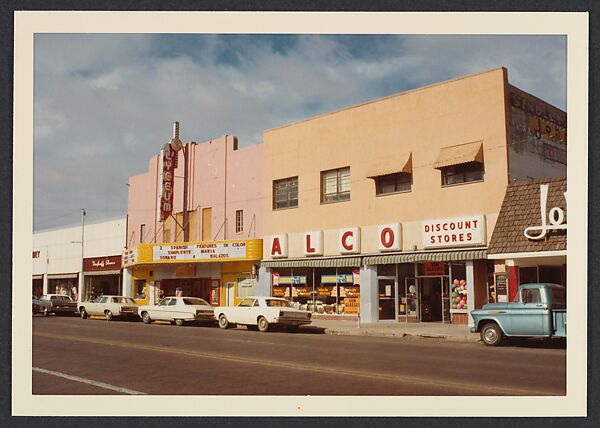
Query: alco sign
453	232
214	250
167	181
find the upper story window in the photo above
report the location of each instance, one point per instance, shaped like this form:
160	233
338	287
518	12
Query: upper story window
393	183
285	193
142	232
462	163
239	221
335	185
464	173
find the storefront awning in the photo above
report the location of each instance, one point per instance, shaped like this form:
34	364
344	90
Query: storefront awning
425	256
392	165
102	272
63	276
462	153
330	262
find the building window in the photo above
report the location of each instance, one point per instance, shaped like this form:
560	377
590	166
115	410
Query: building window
285	193
239	221
462	173
142	232
393	183
335	185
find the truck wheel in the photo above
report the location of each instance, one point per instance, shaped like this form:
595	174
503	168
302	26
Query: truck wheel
109	315
146	318
83	313
263	324
491	334
178	322
223	321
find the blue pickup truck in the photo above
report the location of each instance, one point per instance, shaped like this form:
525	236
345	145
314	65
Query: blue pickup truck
538	310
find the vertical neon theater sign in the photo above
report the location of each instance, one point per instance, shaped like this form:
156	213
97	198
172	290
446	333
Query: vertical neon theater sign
167	172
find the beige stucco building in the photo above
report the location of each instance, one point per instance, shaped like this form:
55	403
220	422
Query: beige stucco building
385	209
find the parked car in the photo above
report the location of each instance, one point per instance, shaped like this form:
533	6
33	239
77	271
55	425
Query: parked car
262	312
38	305
178	310
110	307
58	303
538	310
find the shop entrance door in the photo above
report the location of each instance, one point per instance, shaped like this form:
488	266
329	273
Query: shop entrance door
411	291
229	296
434	299
387	299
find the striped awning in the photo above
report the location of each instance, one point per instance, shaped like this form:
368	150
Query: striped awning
392	165
329	262
462	153
63	276
426	256
102	272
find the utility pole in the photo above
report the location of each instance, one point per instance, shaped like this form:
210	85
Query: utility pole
82	283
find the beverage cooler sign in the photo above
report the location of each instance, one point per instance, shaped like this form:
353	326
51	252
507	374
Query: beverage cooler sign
453	232
216	250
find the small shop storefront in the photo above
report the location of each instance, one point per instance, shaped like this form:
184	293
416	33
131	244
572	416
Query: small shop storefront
428	287
221	272
322	286
101	276
529	243
66	284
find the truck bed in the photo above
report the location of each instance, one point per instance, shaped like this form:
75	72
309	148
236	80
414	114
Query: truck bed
559	320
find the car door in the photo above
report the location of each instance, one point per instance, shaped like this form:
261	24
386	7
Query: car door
95	308
159	312
242	311
528	319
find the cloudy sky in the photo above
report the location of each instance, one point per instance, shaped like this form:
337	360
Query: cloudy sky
104	104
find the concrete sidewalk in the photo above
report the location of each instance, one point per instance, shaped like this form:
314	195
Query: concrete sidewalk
449	332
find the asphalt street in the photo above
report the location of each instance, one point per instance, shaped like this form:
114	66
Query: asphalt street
93	356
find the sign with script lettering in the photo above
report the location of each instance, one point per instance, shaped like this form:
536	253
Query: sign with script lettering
167	180
94	264
213	250
556	217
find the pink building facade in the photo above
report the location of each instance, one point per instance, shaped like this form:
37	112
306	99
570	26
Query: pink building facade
224	225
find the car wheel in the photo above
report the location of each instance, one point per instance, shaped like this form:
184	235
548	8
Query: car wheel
491	334
223	321
109	315
179	323
83	313
293	328
263	324
146	318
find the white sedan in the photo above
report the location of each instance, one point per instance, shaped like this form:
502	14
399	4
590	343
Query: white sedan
262	312
110	307
178	310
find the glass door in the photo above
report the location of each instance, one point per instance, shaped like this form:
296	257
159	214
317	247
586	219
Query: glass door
411	297
387	299
445	299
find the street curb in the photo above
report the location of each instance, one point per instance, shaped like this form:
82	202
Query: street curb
398	335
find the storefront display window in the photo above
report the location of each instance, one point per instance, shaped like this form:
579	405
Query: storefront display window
459	299
67	287
245	287
139	289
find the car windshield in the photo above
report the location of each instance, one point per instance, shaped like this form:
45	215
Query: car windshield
279	303
195	301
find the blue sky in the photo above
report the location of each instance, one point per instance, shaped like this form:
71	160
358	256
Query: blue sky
104	103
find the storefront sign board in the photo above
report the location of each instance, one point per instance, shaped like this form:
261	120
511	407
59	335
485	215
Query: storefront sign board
434	268
203	251
95	264
313	243
389	237
349	241
555	217
278	245
167	181
129	257
453	232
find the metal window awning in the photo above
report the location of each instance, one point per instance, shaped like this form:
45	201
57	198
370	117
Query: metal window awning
459	154
426	256
328	262
63	276
102	272
392	165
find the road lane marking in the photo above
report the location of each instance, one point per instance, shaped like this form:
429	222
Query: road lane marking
476	389
89	381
